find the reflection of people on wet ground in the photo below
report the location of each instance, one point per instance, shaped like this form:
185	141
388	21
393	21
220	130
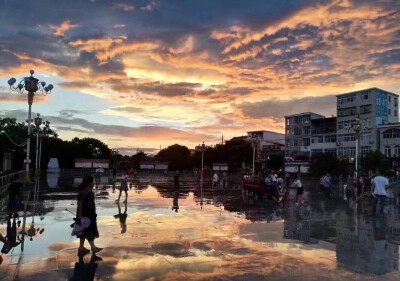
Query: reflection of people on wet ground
299	191
14	197
87	209
165	173
85	271
12	240
215	179
175	201
122	217
123	187
98	173
381	185
6	244
176	179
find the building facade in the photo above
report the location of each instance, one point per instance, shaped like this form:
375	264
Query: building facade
267	143
374	107
389	143
298	128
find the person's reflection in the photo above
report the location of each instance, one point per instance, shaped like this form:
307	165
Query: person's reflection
14	198
85	271
11	237
175	203
122	216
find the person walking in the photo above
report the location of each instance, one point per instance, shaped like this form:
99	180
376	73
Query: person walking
299	191
327	185
114	174
87	209
380	185
123	187
321	184
215	179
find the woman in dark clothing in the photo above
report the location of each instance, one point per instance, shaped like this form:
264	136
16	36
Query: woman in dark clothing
87	208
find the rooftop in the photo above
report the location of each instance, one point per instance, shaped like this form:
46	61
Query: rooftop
368	89
304	113
262	131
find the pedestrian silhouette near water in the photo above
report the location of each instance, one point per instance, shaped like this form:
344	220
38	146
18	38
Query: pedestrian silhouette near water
122	217
123	187
85	271
87	209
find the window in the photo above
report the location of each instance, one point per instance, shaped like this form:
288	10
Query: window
397	150
297	131
390	98
316	151
348	111
389	111
287	143
306	142
365	96
296	142
388	150
395	101
395	113
330	139
346	137
346	124
331	151
391	134
365	150
346	99
365	137
287	121
287	131
346	151
318	139
364	109
306	130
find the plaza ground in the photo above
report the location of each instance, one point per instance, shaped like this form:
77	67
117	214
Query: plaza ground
204	233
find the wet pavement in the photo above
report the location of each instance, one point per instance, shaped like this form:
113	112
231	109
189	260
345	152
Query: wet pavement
201	233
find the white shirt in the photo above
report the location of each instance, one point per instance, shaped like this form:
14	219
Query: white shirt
215	178
380	185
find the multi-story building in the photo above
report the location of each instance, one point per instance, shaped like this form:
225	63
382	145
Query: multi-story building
374	107
323	135
390	139
268	143
298	128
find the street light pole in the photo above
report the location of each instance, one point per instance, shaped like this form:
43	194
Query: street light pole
31	85
357	130
38	122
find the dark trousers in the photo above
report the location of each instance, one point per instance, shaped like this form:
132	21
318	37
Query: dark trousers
382	198
327	192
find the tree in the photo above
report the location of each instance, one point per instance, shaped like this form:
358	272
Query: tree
323	163
177	156
375	160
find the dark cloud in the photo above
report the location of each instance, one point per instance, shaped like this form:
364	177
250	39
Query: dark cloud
279	108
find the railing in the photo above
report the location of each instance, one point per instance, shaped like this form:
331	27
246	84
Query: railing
6	179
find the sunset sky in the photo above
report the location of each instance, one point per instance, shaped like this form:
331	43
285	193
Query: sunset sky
140	73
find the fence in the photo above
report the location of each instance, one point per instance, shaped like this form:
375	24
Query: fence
6	179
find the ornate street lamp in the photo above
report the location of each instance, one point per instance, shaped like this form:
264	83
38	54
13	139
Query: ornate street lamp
31	85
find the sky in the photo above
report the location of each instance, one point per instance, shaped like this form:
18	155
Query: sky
146	74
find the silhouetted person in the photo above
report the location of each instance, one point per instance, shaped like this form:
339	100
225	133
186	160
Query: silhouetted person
87	208
14	197
380	184
85	271
114	174
122	217
123	187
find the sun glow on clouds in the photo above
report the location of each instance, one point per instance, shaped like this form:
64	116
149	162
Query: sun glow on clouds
214	78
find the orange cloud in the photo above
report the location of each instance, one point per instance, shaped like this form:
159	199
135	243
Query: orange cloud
60	30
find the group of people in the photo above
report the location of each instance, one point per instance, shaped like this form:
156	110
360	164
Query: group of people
217	180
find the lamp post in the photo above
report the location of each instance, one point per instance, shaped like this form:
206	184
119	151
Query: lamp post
357	129
254	143
38	122
31	85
